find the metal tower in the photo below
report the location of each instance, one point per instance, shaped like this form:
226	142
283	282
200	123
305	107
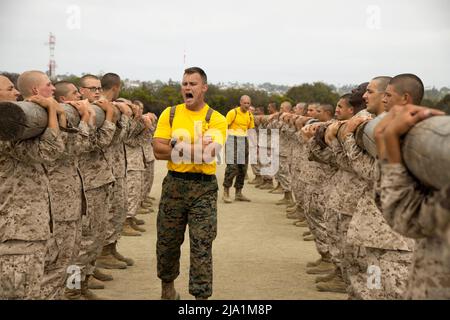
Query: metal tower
52	63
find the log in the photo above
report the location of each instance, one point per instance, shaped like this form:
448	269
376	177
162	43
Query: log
425	149
24	120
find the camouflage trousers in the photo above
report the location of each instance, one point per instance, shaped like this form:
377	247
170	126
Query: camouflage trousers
134	194
148	177
315	216
21	269
62	251
192	203
337	226
263	153
93	228
256	169
117	211
284	174
236	152
298	190
379	274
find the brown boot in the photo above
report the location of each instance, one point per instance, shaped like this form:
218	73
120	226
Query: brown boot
335	285
292	215
291	209
257	180
226	196
306	233
309	238
326	278
268	185
315	263
240	197
86	293
95	284
168	291
302	223
277	190
134	225
138	222
101	275
73	294
322	268
120	257
128	231
286	200
107	261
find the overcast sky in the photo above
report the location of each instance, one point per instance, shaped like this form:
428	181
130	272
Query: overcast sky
279	41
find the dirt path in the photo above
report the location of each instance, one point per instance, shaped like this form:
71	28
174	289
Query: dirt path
258	254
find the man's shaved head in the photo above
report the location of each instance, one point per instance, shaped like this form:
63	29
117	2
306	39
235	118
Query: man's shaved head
66	91
325	112
286	106
245	103
86	77
7	90
411	84
35	82
382	82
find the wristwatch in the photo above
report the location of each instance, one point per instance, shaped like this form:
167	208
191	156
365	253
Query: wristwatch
173	142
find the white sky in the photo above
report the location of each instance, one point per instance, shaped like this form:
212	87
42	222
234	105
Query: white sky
283	41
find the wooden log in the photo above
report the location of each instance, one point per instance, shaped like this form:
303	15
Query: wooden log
24	120
425	149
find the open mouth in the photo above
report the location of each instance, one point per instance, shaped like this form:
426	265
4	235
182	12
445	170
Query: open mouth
189	96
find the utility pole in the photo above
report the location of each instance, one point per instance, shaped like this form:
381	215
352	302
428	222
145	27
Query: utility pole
52	63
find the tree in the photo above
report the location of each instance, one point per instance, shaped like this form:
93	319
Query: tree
317	92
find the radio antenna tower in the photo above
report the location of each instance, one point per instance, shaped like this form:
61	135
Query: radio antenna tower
52	63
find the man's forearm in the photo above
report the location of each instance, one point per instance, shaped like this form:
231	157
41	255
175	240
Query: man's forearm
392	148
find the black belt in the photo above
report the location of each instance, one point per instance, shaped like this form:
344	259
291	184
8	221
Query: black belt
192	176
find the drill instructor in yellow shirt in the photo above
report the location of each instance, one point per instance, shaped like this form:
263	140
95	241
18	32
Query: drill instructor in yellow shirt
239	120
188	136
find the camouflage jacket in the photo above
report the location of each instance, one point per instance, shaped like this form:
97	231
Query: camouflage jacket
67	191
417	212
95	170
115	153
25	210
133	146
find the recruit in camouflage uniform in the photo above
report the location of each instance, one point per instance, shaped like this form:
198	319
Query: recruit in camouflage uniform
424	216
149	162
25	219
284	174
68	205
388	255
98	179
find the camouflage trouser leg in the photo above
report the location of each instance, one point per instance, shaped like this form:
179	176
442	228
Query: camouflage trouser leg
317	223
393	267
93	228
355	264
117	212
148	178
237	162
21	269
265	155
298	190
284	175
194	203
62	250
134	185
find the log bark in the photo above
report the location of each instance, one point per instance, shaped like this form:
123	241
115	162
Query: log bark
23	120
425	149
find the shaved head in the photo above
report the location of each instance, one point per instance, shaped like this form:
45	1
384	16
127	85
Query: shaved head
286	106
245	103
409	84
35	82
382	82
7	90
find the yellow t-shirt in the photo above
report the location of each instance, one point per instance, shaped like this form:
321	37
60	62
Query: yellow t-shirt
189	126
240	122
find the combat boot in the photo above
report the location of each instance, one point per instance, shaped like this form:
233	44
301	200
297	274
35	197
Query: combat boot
95	284
128	231
327	277
85	292
147	204
143	210
138	222
134	225
268	185
277	190
101	275
257	180
107	261
309	238
292	215
168	291
306	233
322	268
335	285
240	197
73	294
226	195
301	223
120	257
286	200
315	263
